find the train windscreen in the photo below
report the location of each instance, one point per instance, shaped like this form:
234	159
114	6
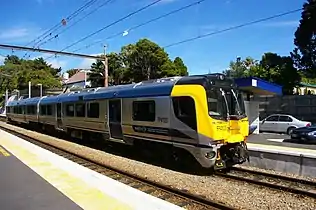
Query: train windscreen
225	102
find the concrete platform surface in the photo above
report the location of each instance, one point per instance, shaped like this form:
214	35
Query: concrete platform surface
22	188
78	187
279	140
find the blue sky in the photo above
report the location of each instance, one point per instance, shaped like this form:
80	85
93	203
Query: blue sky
24	20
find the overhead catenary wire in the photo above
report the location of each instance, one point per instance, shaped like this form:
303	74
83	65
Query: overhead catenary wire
58	25
72	25
232	28
203	35
145	23
111	24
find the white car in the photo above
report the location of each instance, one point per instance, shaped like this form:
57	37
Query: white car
281	123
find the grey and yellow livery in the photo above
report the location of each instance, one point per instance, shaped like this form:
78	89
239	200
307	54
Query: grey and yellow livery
194	116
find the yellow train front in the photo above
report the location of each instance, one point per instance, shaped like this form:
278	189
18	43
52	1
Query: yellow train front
219	120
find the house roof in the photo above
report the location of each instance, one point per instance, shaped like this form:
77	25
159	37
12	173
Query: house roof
302	84
78	77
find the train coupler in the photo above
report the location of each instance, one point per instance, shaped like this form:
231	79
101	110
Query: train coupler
220	164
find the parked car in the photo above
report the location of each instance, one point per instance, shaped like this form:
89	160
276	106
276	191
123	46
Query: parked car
304	133
252	128
281	123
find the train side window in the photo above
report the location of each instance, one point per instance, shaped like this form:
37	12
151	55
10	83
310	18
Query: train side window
144	111
184	110
70	111
33	109
20	109
49	110
80	110
28	110
93	110
43	110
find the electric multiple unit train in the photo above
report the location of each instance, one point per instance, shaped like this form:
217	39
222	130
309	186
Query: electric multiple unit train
198	116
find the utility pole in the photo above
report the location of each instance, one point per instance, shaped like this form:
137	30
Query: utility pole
106	72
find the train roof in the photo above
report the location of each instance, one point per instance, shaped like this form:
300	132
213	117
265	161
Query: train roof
27	101
149	88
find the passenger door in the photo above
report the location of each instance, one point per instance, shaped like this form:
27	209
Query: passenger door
270	124
284	123
115	119
58	116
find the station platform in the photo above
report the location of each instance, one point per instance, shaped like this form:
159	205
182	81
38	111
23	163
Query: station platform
280	140
37	179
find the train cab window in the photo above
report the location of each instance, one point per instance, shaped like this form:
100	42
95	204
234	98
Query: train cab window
43	110
144	111
184	110
80	110
93	110
49	110
70	111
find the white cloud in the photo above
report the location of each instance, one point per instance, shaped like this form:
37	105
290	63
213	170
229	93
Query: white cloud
58	63
87	62
55	62
288	23
19	34
1	59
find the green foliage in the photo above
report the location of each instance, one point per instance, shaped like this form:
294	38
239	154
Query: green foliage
304	55
16	73
137	62
272	67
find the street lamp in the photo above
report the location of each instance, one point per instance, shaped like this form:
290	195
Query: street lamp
41	89
85	76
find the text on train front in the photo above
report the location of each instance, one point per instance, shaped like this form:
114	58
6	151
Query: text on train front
226	107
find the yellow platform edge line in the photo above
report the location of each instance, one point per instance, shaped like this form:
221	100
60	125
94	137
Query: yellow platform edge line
77	190
292	149
4	152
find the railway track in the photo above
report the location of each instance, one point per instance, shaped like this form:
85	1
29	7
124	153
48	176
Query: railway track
301	187
275	181
175	196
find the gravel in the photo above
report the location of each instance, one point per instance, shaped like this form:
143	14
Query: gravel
237	194
308	178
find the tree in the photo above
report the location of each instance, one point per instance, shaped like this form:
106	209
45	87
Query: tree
280	70
145	60
304	54
272	67
21	71
242	68
96	76
137	62
182	70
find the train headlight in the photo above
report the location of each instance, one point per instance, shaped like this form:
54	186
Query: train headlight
210	155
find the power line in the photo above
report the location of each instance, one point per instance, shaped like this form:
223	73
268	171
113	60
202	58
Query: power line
146	23
115	22
63	31
70	17
11	47
232	28
57	26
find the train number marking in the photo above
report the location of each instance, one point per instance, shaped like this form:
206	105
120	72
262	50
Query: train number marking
163	119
